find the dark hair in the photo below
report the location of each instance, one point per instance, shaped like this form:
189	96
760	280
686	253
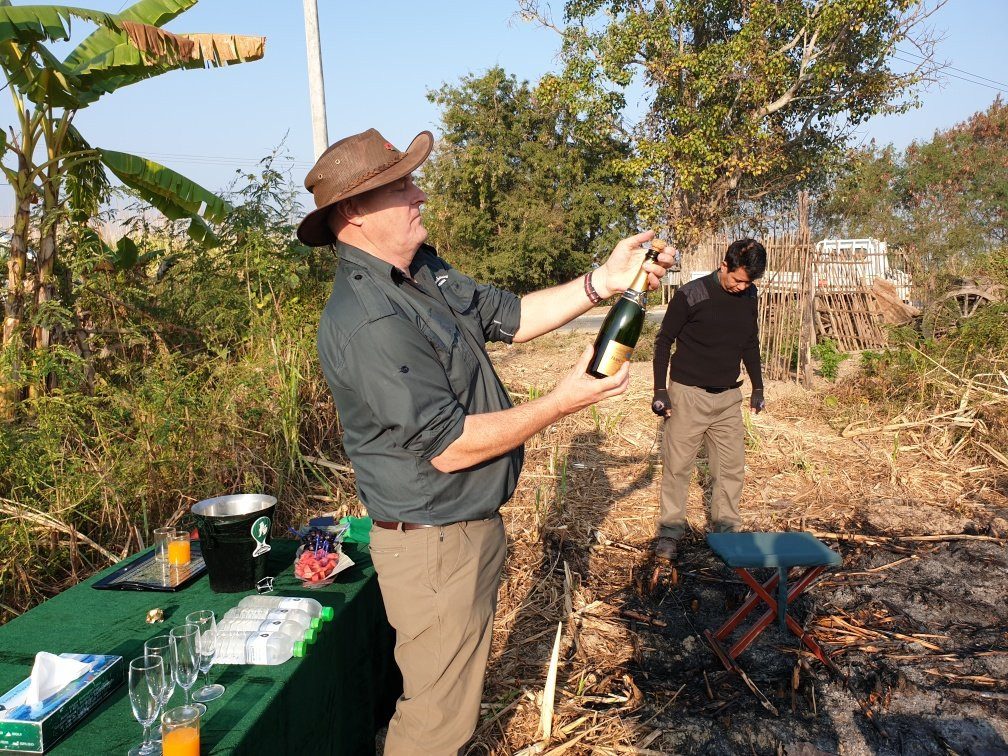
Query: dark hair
748	254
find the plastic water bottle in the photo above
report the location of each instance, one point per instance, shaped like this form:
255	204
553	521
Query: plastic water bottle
254	625
309	605
236	647
300	618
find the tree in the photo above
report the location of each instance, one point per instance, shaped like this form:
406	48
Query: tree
518	196
956	190
865	197
945	202
51	163
742	99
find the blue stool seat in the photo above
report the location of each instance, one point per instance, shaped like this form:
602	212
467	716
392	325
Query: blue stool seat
771	549
780	552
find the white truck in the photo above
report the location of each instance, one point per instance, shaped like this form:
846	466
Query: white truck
846	263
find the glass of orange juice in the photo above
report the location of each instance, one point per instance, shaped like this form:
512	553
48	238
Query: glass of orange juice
178	548
180	731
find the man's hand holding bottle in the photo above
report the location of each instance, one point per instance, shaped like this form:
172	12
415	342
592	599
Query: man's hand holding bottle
622	265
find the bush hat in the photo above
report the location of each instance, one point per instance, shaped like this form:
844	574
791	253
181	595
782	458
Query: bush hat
352	166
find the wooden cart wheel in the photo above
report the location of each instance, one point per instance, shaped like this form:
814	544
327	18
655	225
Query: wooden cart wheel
946	313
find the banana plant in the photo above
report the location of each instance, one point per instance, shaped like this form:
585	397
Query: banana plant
49	162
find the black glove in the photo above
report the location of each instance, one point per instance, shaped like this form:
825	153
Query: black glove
756	403
660	403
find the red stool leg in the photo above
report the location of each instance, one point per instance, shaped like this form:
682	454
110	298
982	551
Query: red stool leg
761	624
750	603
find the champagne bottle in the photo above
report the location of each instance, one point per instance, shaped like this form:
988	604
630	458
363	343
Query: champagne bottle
619	333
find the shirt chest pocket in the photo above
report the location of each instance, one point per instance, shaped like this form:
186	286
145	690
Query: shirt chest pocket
456	355
459	292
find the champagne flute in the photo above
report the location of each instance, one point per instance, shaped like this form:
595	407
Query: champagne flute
185	659
146	681
206	622
160	645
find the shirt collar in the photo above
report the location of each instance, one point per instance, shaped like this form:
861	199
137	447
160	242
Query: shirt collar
381	269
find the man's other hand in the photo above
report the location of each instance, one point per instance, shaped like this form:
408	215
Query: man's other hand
660	403
756	403
578	389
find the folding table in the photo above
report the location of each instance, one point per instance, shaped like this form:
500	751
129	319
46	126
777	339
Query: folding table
331	702
746	551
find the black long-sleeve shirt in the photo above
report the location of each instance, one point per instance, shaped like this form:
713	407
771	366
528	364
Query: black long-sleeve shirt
713	331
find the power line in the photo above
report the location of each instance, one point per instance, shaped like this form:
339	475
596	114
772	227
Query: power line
218	159
974	78
1001	88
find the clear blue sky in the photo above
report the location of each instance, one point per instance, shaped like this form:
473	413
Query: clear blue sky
381	58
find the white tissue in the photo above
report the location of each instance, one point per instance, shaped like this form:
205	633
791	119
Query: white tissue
51	674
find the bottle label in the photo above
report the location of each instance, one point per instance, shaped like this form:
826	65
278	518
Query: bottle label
257	648
277	614
291	602
614	355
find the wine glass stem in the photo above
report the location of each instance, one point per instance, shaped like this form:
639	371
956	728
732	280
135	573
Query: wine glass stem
146	737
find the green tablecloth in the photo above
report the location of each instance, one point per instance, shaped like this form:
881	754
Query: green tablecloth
331	701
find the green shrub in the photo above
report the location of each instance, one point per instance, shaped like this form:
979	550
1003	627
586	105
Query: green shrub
202	380
829	358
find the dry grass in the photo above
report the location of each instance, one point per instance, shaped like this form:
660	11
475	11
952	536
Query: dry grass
581	522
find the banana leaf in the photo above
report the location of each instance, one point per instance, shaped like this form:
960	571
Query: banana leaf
171	193
38	23
87	182
49	83
152	12
126	49
147	52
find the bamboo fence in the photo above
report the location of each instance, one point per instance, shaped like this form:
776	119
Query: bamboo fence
806	294
784	298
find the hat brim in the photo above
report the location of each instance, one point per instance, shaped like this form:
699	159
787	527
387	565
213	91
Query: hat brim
314	229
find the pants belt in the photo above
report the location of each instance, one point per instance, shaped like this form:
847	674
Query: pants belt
417	526
401	525
719	389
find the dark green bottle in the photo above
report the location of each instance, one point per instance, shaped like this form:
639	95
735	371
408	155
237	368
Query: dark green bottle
619	333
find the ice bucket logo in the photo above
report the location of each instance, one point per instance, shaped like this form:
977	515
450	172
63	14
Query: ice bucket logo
260	529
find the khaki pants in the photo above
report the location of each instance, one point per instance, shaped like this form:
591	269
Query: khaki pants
715	420
439	586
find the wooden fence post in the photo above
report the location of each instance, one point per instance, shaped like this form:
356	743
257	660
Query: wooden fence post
806	333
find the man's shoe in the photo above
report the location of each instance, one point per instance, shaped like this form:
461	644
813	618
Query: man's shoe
725	527
666	548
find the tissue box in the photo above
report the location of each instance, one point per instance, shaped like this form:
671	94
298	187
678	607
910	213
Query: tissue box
34	729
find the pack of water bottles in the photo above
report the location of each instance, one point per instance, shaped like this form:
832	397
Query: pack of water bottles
268	629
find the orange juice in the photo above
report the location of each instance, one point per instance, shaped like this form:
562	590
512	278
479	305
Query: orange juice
178	552
181	742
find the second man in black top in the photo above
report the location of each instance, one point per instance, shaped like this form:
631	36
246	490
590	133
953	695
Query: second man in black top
712	321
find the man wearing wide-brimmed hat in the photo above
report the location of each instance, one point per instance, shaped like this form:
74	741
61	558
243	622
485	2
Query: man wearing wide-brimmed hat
434	440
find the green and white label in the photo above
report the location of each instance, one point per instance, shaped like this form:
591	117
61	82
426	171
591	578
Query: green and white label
260	530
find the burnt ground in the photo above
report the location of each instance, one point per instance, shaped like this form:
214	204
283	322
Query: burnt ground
921	645
915	620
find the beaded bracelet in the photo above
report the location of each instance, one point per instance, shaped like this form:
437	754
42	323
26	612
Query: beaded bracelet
593	296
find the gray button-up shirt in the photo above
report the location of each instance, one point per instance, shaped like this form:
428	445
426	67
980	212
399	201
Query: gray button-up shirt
406	362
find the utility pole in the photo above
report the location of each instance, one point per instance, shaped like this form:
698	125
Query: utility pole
316	87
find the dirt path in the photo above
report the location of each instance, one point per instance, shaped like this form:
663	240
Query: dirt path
915	618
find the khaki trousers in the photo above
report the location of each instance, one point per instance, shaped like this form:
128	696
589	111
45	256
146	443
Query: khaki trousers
716	421
439	586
